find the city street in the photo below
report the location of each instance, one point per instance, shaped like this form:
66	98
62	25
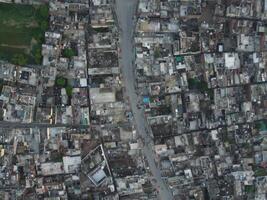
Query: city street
5	124
125	10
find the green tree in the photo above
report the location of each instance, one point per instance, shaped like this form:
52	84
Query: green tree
157	52
200	85
37	55
249	188
60	81
260	172
19	59
69	90
68	53
1	88
43	12
193	83
44	25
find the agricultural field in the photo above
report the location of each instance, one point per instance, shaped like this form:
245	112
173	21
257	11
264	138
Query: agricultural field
22	30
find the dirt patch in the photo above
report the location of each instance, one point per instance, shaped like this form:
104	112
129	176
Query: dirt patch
15	46
32	24
13	23
33	42
10	22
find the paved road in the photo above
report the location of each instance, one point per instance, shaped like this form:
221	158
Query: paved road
125	10
4	124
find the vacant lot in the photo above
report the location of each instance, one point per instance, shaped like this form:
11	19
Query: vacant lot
22	30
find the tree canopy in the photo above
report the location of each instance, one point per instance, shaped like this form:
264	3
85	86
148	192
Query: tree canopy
68	53
19	59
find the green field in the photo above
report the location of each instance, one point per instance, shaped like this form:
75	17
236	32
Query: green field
22	30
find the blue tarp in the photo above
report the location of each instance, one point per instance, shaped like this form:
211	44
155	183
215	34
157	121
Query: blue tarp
146	100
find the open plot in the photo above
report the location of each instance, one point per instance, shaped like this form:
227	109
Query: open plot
22	32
